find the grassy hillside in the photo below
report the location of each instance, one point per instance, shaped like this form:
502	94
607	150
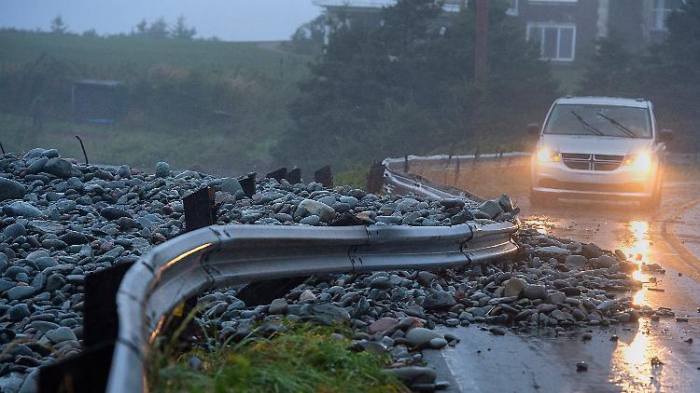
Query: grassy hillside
110	53
173	89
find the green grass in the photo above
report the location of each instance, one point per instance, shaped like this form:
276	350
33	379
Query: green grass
19	47
214	149
302	360
253	84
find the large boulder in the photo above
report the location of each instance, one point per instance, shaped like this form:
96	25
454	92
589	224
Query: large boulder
10	189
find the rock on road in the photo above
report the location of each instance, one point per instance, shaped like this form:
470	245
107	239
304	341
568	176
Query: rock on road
538	362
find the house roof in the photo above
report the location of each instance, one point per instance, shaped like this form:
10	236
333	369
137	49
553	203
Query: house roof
448	6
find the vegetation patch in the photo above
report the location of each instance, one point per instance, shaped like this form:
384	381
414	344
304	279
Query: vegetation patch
304	358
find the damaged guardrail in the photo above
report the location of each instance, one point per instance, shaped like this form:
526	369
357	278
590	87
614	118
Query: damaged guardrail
223	255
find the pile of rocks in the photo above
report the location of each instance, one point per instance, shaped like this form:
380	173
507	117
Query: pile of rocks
60	221
556	285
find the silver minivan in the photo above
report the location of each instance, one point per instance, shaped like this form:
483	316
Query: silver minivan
599	148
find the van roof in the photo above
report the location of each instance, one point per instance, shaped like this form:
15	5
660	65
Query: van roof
635	103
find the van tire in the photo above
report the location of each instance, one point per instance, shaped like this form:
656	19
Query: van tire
652	203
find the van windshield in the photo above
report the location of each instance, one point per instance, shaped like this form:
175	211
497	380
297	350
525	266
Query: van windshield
601	120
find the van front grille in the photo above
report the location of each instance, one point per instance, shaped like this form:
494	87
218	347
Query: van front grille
592	162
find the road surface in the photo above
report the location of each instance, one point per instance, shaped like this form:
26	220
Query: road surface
537	362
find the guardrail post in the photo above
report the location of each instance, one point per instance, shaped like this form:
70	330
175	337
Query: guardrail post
88	372
247	183
199	209
278	174
200	212
294	176
324	176
375	178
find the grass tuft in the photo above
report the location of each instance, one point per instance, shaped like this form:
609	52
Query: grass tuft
304	359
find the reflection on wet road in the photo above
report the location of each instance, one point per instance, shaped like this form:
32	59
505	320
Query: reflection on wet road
652	355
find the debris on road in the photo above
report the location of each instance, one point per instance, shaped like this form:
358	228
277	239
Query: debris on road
581	367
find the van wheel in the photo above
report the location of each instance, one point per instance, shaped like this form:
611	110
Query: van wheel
654	202
539	199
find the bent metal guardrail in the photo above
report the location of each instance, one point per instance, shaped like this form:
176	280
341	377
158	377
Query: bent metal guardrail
223	255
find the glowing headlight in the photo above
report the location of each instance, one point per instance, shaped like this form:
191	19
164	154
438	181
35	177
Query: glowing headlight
640	162
547	155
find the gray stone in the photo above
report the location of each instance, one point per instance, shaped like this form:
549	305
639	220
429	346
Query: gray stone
21	292
307	295
75	184
65	205
420	337
602	262
113	213
45	262
514	287
506	203
534	292
23	209
37	165
591	250
230	186
124	171
325	212
438	343
58	167
162	169
14	230
555	252
311	220
425	278
18	312
414	375
439	300
10	189
61	334
577	261
44	326
278	306
491	208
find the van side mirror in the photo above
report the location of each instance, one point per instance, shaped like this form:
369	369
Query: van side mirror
666	136
533	129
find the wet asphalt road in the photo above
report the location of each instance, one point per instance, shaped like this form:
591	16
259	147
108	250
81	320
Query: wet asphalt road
535	361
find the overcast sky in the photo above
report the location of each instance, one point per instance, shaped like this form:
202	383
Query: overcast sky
235	20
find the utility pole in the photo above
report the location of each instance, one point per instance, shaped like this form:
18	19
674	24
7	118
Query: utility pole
482	28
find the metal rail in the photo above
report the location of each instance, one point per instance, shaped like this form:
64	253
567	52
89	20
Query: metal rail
222	255
408	183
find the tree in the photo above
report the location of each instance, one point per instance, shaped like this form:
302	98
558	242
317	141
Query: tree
610	70
309	38
670	75
92	33
142	28
181	31
405	86
158	29
58	26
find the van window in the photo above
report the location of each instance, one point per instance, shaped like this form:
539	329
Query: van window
601	120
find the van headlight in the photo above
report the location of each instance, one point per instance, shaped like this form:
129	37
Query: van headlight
545	154
640	162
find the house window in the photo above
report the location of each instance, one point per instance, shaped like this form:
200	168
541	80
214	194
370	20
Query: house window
662	9
557	41
513	9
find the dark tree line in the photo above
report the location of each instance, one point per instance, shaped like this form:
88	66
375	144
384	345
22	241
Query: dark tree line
405	86
157	29
668	73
